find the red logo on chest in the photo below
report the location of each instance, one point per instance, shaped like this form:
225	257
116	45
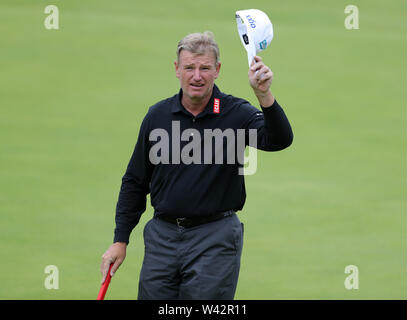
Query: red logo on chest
216	105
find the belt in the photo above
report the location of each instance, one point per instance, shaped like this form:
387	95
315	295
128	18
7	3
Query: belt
196	221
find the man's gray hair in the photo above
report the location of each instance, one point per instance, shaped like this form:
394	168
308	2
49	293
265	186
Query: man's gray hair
199	43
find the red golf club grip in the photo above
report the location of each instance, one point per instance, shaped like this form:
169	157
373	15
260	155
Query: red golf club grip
105	285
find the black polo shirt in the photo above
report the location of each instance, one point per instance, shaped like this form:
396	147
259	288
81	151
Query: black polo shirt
182	181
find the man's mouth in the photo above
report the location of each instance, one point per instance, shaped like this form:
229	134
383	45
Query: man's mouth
197	85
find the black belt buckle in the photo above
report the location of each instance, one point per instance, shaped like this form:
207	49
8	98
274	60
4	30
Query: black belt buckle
179	221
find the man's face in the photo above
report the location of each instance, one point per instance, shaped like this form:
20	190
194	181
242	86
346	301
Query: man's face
197	74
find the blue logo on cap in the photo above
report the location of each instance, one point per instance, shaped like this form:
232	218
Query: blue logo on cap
263	44
251	21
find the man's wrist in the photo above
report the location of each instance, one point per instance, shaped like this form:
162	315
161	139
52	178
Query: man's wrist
266	99
121	243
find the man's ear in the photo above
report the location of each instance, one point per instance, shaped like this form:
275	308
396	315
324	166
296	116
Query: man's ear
176	68
217	70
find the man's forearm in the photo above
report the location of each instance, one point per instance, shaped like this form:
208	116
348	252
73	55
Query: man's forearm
130	206
279	133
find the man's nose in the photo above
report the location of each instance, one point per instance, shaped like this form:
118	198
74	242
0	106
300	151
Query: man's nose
197	74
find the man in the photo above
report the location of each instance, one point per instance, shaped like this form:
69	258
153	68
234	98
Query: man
194	242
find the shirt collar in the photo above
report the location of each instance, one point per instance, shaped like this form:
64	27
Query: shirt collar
209	109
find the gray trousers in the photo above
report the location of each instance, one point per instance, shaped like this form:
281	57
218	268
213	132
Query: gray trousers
201	262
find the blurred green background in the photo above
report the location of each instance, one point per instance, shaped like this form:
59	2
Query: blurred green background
72	100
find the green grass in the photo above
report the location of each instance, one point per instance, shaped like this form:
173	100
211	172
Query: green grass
72	100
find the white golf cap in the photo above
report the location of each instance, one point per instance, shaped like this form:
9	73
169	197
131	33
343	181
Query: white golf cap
255	31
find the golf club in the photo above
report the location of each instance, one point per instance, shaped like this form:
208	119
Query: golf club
105	285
